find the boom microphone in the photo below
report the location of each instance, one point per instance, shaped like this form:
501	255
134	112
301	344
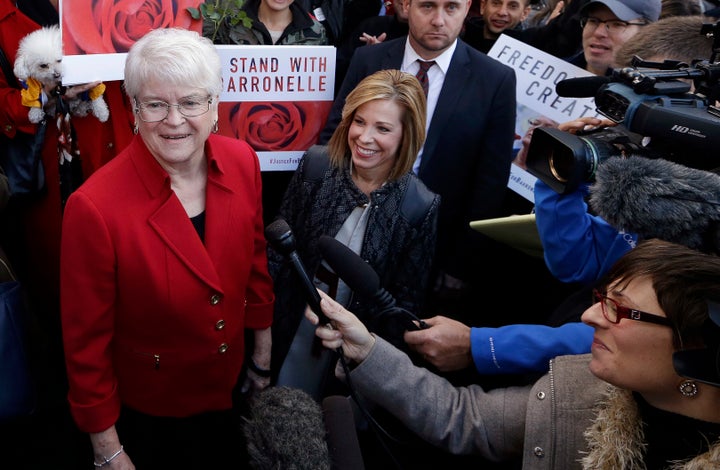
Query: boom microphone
581	87
282	239
362	279
285	428
657	198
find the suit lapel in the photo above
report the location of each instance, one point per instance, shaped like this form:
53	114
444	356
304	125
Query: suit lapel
181	238
394	55
458	77
183	241
220	207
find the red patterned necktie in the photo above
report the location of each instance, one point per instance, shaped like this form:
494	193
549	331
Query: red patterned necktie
422	74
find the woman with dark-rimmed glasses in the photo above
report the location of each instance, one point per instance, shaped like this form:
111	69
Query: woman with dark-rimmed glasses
623	406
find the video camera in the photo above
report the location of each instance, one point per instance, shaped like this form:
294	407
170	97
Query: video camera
657	116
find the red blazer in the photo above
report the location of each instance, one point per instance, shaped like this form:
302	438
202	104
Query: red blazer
153	318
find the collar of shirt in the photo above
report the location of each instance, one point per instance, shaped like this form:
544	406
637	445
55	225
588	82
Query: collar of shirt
410	58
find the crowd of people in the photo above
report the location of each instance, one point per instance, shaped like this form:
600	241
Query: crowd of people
161	314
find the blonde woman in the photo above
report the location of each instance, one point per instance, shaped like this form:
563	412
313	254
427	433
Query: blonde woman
366	196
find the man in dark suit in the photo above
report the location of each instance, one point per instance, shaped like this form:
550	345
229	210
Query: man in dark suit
468	149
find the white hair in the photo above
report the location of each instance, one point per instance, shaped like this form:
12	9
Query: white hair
176	57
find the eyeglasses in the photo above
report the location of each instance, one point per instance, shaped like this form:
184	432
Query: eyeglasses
156	111
614	312
613	26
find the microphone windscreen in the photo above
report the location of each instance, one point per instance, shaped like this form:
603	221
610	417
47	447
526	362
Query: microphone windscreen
277	230
581	87
342	440
351	268
657	198
284	429
279	234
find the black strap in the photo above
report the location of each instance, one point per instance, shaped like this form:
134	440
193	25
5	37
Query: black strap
315	163
416	202
8	70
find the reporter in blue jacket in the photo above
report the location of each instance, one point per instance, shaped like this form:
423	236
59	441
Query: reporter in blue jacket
578	247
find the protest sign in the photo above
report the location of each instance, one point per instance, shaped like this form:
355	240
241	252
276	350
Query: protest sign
537	74
277	98
97	34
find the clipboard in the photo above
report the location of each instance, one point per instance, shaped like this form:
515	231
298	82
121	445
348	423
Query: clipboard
517	231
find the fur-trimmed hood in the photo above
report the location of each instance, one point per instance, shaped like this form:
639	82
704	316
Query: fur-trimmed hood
616	440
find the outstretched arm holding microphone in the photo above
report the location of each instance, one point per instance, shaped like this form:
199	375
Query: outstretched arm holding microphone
345	330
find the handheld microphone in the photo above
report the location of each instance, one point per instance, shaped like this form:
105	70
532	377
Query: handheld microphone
282	239
581	87
363	280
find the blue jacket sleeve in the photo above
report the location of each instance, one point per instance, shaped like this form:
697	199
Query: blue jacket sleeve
578	246
519	349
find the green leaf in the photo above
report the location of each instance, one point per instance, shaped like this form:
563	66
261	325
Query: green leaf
221	12
194	13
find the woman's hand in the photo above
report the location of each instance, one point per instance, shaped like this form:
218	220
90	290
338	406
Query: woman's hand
261	358
106	445
345	330
254	383
73	91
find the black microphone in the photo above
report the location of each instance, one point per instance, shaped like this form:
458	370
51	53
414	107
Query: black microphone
282	239
581	87
362	279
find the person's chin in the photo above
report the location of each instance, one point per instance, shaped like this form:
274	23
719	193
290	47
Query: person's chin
597	368
436	42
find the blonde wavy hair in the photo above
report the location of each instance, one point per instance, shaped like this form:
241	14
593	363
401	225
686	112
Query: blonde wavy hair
400	87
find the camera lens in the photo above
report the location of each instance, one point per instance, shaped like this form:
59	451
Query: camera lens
560	166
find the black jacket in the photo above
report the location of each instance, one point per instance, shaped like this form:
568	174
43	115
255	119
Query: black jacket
398	251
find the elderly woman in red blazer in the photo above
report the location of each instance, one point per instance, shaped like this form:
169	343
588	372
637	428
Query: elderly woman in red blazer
164	270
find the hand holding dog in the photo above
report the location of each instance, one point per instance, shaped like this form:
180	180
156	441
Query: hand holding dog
72	92
38	65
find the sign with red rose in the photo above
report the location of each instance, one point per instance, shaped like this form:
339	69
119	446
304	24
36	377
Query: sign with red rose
98	33
276	98
108	26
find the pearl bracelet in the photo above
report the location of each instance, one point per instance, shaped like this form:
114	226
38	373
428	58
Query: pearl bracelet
107	460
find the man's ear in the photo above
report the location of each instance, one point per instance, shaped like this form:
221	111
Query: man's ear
526	11
468	4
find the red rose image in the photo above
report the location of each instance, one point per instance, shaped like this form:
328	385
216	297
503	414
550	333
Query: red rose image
276	126
109	26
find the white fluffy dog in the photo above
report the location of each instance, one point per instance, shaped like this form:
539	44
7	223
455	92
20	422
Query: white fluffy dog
38	65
